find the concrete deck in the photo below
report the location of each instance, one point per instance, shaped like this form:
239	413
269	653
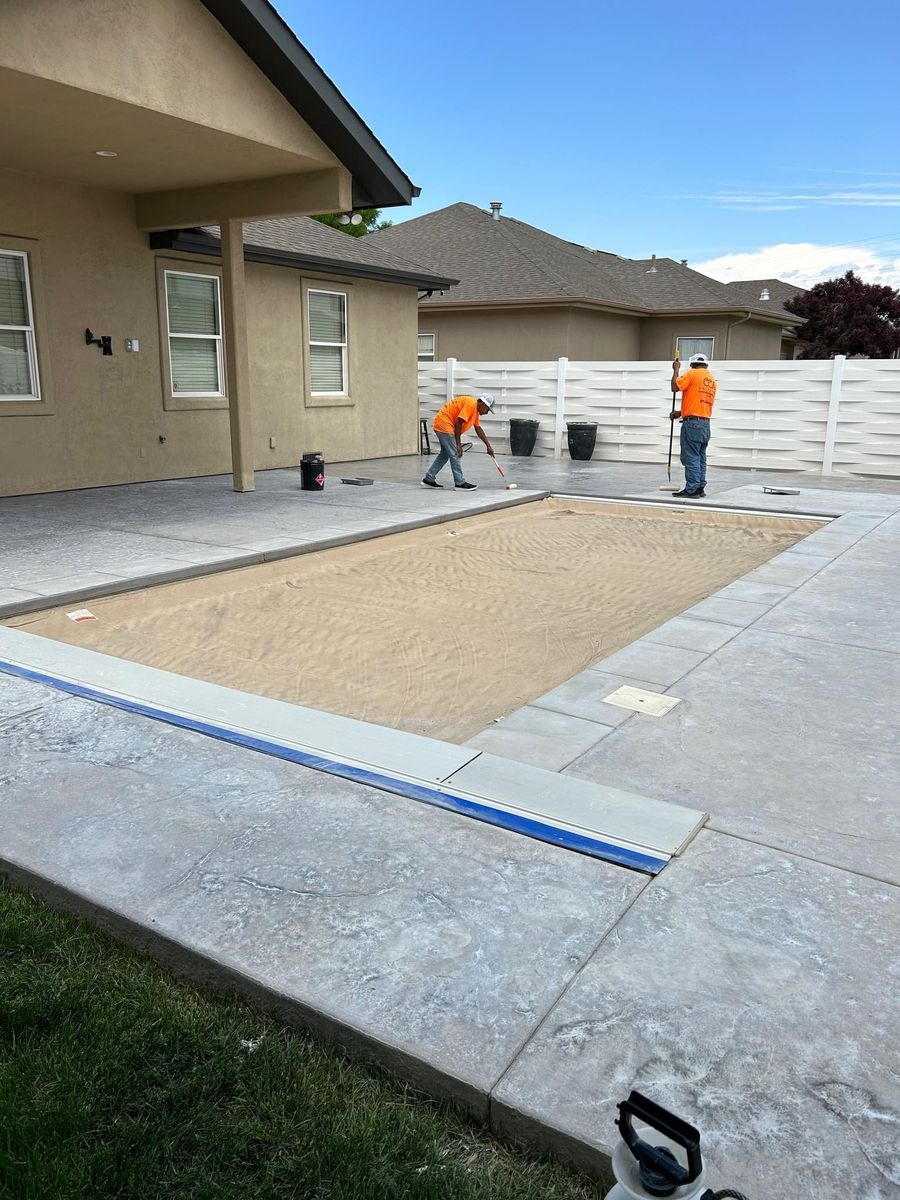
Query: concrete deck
70	546
752	986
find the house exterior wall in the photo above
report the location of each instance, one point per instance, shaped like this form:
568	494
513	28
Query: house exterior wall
586	335
599	336
105	420
748	340
755	340
658	334
530	334
485	335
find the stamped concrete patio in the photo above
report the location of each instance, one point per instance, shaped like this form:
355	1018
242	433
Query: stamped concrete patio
752	986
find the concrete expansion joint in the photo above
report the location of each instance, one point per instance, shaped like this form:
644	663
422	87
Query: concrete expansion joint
713	827
568	984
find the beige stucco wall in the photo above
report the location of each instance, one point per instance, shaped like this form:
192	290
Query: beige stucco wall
530	334
382	418
658	335
599	336
517	335
750	339
105	416
755	340
581	334
171	56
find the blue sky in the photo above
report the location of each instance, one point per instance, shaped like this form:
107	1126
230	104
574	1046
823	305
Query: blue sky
751	139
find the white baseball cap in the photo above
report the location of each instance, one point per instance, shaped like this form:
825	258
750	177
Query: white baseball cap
699	360
486	398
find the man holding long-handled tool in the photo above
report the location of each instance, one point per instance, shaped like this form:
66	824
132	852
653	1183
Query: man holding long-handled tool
458	415
698	394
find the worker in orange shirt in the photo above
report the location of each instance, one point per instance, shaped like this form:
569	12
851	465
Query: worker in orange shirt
698	394
458	415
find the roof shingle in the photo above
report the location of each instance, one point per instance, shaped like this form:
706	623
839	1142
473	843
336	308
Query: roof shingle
312	242
507	259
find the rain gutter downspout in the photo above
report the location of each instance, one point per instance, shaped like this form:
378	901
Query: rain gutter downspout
731	326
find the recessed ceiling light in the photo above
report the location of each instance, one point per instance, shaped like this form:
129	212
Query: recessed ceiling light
107	153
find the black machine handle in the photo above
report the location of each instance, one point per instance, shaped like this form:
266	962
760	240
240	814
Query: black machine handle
661	1173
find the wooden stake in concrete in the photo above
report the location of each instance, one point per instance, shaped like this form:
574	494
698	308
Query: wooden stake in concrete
236	355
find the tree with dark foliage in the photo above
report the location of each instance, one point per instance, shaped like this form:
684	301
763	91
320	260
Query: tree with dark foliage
847	316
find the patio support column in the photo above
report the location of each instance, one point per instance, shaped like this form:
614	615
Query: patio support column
237	355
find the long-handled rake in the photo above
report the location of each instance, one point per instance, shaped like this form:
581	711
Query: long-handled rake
670	486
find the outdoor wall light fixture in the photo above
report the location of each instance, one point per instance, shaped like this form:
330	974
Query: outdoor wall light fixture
104	341
107	153
350	219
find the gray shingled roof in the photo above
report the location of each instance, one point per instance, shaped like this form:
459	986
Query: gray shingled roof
747	291
311	243
507	259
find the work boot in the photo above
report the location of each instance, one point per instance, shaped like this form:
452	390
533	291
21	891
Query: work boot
466	487
426	482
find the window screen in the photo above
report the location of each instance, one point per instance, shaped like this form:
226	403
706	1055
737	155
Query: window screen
18	364
195	334
327	342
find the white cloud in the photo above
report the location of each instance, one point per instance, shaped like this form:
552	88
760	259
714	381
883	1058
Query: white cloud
853	195
804	263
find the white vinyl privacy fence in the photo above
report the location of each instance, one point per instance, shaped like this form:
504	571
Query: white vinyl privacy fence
832	415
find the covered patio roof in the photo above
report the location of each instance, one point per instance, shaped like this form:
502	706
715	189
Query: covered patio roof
257	130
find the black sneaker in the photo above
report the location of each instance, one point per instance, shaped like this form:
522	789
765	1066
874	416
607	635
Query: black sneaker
426	482
684	494
702	492
466	487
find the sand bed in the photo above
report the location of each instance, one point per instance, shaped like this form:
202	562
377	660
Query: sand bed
441	630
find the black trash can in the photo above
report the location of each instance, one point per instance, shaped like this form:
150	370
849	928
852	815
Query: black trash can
582	437
312	472
522	436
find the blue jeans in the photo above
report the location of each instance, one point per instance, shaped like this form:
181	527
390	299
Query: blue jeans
447	443
694	440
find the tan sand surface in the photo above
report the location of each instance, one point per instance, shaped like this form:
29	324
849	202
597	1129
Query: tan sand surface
441	630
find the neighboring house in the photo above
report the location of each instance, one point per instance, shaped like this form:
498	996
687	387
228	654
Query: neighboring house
527	295
129	144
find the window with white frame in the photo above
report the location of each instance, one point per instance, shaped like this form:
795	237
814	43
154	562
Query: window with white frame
18	356
194	316
426	347
327	318
686	346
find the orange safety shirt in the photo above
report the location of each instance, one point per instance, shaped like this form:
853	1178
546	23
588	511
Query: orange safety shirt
464	408
698	392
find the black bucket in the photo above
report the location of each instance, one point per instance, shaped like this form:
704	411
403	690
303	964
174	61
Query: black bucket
312	472
582	437
522	436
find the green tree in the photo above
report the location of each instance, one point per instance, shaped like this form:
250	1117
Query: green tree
848	316
371	220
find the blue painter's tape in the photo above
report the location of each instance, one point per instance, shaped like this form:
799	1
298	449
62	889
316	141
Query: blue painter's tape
529	826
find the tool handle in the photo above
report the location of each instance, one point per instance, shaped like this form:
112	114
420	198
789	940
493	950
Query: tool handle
674	1128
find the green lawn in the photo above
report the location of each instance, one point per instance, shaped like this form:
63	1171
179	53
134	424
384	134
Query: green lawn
116	1081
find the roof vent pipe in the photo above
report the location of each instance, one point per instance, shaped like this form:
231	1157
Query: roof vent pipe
495	209
764	294
684	262
652	269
